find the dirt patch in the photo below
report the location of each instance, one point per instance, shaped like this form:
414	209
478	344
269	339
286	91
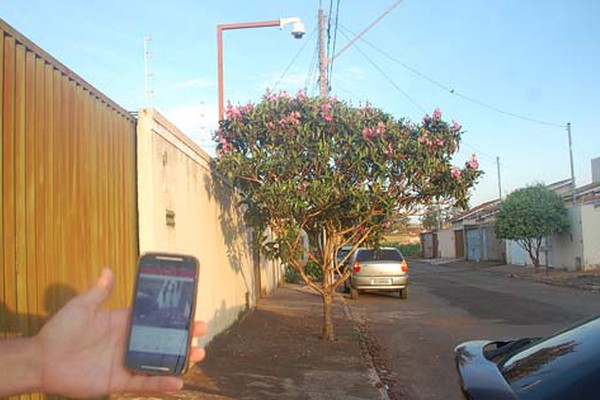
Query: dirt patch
374	351
585	280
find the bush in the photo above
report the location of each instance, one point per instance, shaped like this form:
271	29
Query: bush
407	250
312	269
291	275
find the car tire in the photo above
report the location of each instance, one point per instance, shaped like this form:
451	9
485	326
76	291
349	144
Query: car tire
403	293
353	293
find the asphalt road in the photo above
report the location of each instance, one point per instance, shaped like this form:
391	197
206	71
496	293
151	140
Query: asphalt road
412	340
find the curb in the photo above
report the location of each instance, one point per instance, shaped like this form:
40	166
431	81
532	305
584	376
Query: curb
372	371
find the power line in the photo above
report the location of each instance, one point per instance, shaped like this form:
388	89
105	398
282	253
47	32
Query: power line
371	25
335	31
390	80
329	27
456	93
310	76
480	153
295	58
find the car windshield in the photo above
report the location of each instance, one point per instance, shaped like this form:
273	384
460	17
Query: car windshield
550	369
380	254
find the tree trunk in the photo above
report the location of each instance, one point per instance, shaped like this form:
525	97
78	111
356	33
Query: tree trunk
535	259
328	331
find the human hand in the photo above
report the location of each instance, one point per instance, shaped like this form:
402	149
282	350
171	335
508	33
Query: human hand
82	349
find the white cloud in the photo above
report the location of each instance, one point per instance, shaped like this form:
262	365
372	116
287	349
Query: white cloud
355	71
290	82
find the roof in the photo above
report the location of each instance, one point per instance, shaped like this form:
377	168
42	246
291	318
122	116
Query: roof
588	194
479	212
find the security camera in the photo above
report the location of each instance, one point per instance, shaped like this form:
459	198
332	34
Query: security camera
298	30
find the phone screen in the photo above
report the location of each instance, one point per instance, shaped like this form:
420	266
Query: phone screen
163	308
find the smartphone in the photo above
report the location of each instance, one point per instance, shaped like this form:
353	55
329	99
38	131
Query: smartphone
162	316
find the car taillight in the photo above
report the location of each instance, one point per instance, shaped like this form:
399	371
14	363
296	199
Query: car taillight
404	266
356	267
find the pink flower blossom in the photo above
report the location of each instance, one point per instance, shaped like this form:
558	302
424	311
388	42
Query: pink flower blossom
248	108
326	107
439	142
270	125
455	172
232	112
423	139
328	117
282	122
380	128
473	163
225	146
270	95
456	127
301	95
437	114
367	133
294	118
389	150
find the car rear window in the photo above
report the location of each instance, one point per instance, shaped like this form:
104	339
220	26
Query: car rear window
379	255
342	253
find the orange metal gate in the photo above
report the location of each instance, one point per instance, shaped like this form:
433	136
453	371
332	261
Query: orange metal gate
68	195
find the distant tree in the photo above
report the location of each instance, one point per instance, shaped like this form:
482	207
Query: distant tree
339	173
530	214
437	216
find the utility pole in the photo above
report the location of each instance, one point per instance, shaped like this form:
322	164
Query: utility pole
499	182
572	168
322	56
147	73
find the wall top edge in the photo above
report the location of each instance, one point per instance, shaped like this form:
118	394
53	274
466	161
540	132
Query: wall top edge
21	39
155	115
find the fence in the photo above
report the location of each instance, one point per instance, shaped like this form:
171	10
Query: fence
68	204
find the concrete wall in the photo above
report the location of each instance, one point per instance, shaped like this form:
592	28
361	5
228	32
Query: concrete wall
516	255
590	217
174	177
568	247
446	245
428	245
578	249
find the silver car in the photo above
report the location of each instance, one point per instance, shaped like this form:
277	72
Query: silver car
378	269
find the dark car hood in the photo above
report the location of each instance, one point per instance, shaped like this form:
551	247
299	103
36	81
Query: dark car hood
480	378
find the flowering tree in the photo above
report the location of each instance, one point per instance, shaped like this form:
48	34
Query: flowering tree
340	174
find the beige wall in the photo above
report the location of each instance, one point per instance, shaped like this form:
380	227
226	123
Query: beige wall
446	247
174	174
590	217
568	247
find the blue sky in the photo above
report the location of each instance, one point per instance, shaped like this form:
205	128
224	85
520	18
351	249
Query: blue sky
538	58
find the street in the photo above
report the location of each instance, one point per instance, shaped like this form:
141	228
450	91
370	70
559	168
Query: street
412	340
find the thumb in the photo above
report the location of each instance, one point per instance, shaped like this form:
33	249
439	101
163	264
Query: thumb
101	290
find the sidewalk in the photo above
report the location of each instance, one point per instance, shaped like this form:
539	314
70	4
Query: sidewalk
276	352
582	280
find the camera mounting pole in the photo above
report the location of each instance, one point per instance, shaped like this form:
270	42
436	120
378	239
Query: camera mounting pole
298	31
